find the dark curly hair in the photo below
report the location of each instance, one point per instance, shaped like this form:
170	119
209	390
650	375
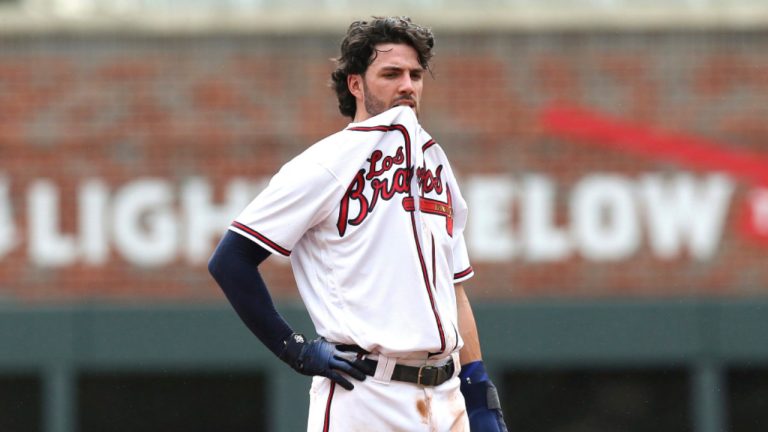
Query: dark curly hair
357	51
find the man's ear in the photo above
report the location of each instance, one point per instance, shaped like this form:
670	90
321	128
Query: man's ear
355	85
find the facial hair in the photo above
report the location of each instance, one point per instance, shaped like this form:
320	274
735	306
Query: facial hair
373	105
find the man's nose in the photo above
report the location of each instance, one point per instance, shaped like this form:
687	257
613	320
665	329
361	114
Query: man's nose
406	85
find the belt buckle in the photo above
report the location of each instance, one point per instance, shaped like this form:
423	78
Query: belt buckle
421	375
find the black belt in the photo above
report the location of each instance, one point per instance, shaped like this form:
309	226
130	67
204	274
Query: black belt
428	376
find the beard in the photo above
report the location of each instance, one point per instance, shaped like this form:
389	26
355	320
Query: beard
375	106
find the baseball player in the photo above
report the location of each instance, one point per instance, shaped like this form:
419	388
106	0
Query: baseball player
372	219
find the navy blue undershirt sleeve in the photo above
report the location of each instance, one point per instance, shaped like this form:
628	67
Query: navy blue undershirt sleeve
234	266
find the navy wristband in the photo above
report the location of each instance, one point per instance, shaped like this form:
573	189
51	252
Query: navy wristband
478	390
472	373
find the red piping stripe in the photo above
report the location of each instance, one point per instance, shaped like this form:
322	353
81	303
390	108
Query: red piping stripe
425	274
263	238
372	128
424	271
422	262
434	269
327	420
463	273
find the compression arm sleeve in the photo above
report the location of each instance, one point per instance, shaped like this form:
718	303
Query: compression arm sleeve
234	266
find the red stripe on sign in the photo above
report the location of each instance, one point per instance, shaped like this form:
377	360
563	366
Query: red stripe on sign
695	153
262	238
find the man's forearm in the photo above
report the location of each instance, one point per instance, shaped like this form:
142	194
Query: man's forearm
480	395
234	266
467	328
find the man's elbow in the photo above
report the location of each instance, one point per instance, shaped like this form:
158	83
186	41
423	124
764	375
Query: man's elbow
218	260
213	265
235	254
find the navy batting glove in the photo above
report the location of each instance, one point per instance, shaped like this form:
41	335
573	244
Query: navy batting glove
482	399
320	357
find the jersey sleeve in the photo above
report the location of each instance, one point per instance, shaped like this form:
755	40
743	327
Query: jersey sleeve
298	197
462	268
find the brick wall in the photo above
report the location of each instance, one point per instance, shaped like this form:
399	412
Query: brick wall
122	109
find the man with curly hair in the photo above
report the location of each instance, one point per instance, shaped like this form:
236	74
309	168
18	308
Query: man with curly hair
372	219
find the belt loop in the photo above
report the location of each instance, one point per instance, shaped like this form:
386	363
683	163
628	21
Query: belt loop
384	369
456	364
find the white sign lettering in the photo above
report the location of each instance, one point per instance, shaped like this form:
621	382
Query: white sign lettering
601	217
608	217
149	222
8	238
685	213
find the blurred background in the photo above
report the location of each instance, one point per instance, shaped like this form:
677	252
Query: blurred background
614	155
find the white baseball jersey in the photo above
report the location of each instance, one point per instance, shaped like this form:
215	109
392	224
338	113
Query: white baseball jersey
372	219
